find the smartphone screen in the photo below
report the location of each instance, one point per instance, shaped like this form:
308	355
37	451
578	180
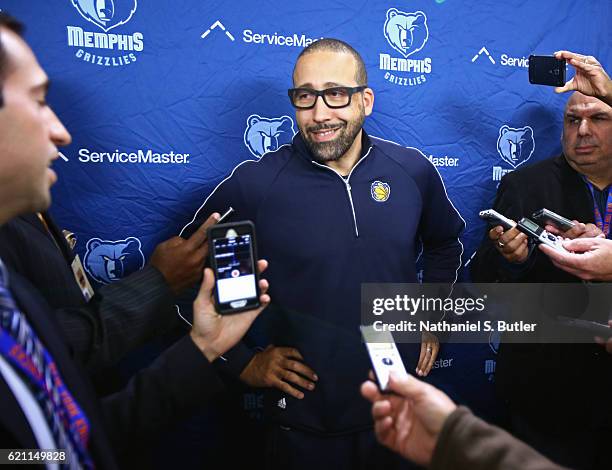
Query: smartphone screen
233	255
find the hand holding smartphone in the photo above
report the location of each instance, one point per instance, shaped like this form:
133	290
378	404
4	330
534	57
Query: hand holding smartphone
215	334
233	255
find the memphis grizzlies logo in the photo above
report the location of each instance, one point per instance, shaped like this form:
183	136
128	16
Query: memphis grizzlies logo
104	48
515	145
407	33
263	135
106	14
108	261
380	191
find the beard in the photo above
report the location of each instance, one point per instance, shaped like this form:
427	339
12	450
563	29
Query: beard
333	150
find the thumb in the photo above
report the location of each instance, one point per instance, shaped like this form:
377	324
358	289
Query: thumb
569	86
580	245
208	283
405	385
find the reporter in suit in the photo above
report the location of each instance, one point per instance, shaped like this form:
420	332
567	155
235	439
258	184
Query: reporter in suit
537	381
46	400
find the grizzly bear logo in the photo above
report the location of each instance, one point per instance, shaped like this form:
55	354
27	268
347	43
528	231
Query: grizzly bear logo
263	135
407	33
108	261
106	14
515	145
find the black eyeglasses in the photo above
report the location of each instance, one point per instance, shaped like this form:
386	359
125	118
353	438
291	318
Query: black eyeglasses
336	97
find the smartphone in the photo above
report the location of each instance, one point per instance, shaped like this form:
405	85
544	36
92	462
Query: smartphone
538	234
233	258
383	354
545	217
546	70
494	217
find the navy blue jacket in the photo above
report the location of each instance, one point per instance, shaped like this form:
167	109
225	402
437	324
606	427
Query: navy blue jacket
324	236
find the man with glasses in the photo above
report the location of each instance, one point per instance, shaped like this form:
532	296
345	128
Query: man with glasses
334	209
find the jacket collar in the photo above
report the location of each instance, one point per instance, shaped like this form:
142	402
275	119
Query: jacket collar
576	194
51	230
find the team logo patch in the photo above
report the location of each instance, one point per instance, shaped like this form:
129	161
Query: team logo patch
108	261
515	146
106	14
263	135
407	33
380	191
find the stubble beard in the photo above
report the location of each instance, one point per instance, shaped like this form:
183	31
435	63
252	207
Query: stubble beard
333	150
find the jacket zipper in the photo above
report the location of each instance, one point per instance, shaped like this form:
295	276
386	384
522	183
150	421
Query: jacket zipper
347	185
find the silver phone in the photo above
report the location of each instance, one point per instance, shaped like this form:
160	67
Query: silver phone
494	217
383	354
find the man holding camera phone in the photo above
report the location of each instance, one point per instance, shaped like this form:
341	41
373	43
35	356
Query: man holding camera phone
590	79
334	209
538	381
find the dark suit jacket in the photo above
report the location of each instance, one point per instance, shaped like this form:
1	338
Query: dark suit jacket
121	317
15	431
543	379
550	184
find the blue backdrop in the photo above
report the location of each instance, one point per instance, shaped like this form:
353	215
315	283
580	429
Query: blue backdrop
164	98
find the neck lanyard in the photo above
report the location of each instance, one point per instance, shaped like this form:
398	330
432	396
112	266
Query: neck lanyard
50	384
602	222
20	345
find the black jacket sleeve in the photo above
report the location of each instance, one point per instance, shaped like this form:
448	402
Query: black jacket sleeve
119	318
178	382
466	441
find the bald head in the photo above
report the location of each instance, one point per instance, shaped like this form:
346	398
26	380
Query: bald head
577	101
587	137
340	47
